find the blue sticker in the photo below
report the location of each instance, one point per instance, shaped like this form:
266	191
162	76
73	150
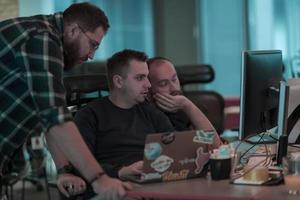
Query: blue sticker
152	150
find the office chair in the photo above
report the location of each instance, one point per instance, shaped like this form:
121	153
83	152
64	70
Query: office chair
85	83
95	67
210	102
81	89
194	74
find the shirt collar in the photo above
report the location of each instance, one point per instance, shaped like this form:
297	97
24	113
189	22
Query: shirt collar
59	23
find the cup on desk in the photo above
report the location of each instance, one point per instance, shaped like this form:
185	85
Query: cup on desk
220	163
220	168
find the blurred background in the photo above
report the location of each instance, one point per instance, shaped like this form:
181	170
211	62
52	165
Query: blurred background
191	32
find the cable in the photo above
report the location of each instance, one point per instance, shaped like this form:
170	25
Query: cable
246	172
266	162
256	143
273	138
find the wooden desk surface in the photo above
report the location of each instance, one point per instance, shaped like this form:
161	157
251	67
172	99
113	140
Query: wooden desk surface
204	188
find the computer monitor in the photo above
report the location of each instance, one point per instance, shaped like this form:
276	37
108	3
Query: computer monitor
289	110
288	117
260	79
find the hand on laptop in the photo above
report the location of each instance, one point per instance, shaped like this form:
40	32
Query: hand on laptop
133	169
171	103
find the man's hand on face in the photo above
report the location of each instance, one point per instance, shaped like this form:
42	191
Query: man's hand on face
171	103
110	189
133	169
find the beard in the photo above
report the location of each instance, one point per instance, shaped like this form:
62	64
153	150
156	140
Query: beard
71	54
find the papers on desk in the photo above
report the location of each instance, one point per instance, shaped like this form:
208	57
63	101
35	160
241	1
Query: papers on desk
247	182
275	178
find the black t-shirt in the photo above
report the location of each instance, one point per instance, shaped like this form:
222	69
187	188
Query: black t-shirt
117	136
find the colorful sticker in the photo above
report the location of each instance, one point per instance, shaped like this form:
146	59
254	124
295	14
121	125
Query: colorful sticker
204	137
201	159
171	176
187	161
162	163
152	150
168	138
150	176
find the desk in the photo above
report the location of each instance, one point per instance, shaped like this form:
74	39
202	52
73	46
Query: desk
204	189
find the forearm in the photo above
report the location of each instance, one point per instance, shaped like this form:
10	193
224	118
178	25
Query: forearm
67	139
200	121
197	118
58	156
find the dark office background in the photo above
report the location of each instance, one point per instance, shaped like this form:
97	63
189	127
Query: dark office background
196	31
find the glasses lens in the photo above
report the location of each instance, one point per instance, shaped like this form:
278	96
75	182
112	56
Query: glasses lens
93	43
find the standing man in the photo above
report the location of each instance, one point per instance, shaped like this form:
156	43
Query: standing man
34	51
166	92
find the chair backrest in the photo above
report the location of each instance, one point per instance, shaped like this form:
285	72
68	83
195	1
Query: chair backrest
211	104
95	67
200	73
79	86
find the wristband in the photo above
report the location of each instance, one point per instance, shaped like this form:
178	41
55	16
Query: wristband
96	177
65	169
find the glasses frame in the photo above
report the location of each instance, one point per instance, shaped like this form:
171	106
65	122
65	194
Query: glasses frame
93	43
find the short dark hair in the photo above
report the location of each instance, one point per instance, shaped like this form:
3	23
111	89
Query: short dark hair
88	16
157	59
118	63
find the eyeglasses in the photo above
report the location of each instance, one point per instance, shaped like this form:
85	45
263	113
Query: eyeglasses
93	43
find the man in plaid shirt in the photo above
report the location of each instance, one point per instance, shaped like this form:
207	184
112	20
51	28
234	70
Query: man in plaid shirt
34	51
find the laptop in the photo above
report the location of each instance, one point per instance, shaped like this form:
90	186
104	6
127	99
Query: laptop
175	156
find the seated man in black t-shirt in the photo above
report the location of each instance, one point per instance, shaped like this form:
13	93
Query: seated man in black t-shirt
115	127
166	93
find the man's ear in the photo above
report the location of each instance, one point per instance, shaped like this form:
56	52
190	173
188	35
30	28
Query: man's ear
118	81
72	30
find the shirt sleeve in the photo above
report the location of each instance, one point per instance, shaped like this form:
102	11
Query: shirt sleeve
42	56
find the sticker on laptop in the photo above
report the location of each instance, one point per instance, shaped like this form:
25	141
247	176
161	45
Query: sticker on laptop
162	163
187	161
168	138
206	137
172	176
201	159
152	150
151	176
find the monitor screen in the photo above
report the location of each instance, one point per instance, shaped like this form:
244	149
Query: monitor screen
260	80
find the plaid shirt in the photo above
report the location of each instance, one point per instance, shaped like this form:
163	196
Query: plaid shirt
32	95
